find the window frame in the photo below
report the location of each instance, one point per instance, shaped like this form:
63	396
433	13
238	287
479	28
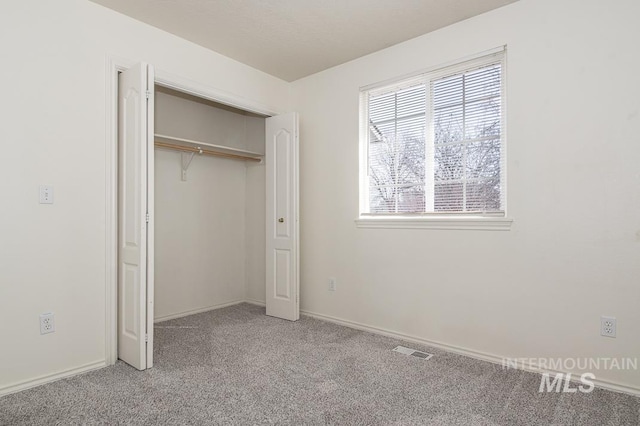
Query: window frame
433	220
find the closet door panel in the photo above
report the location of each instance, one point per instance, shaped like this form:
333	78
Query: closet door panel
282	277
282	186
133	145
282	270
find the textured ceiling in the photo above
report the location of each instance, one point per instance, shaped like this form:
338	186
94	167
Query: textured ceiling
291	39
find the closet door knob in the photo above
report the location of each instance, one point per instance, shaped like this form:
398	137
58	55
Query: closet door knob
281	220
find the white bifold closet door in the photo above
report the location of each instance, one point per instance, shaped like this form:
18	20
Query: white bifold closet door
135	228
281	158
136	219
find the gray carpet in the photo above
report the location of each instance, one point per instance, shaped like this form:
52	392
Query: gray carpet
237	366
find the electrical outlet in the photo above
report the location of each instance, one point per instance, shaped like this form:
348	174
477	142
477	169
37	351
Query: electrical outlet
607	326
46	323
46	194
332	284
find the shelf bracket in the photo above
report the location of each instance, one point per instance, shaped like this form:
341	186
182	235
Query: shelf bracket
187	157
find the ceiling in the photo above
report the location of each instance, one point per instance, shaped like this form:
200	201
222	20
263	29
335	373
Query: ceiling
291	39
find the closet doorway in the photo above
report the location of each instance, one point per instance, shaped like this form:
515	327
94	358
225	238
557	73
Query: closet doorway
187	240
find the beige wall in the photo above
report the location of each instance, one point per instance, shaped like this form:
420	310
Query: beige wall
573	177
537	290
53	107
203	225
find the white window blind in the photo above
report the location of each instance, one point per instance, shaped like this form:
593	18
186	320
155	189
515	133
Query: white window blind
435	142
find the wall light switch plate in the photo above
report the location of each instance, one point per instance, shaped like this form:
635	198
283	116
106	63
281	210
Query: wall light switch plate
46	194
332	284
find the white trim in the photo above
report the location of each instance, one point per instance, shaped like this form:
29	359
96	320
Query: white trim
197	311
460	61
504	155
48	378
113	66
255	302
426	77
363	148
483	356
193	88
450	223
151	213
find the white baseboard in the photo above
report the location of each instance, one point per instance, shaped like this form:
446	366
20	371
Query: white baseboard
197	311
483	356
47	378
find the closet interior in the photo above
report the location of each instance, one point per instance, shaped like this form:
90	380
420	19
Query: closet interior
209	205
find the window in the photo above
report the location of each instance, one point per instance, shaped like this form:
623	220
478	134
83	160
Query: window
433	144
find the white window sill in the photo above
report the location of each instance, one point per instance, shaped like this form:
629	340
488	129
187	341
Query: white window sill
442	222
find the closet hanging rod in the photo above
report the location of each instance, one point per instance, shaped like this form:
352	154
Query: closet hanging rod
205	151
205	145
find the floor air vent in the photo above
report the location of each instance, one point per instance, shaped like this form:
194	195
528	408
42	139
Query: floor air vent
412	352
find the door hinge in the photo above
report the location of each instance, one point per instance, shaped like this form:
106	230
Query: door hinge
146	337
147	218
148	94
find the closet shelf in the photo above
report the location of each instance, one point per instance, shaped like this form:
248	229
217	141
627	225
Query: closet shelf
164	140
